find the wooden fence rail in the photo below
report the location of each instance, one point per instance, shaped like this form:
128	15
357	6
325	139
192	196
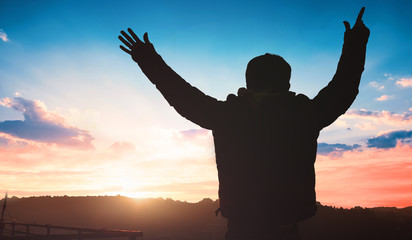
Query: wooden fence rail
26	231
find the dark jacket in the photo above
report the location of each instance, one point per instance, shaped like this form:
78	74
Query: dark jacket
265	143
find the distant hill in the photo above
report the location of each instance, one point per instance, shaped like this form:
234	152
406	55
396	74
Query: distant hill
166	219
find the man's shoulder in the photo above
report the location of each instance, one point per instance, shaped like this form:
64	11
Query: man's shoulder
248	97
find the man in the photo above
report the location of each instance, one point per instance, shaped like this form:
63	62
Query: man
266	137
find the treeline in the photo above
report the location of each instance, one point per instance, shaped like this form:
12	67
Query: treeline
166	219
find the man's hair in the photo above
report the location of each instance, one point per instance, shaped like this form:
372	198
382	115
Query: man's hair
269	72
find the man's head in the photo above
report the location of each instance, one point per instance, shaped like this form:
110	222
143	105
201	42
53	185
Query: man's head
269	72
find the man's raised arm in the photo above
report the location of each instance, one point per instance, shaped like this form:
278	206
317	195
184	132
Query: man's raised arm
333	100
188	101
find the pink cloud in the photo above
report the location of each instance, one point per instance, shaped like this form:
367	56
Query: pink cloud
42	125
11	142
383	98
33	110
404	82
365	126
385	116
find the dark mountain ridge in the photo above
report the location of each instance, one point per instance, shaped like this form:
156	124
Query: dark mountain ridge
167	219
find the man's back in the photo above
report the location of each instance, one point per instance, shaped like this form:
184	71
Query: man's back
265	153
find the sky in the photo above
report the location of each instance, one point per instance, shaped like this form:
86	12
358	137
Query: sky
78	117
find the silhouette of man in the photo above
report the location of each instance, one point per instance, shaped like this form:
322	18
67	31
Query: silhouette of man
265	137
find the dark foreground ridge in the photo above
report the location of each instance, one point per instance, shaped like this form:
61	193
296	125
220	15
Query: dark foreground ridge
166	219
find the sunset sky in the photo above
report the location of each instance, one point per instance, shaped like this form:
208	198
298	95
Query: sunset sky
78	117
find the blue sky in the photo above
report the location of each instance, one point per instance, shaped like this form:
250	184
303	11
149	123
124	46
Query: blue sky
227	34
61	60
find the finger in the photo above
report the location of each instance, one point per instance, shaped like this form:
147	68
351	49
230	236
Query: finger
125	42
134	36
127	37
126	50
146	38
359	19
347	25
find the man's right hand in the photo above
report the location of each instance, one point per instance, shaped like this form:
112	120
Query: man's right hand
359	30
137	49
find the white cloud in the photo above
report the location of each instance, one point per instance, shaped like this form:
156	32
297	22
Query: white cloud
3	36
377	86
389	76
